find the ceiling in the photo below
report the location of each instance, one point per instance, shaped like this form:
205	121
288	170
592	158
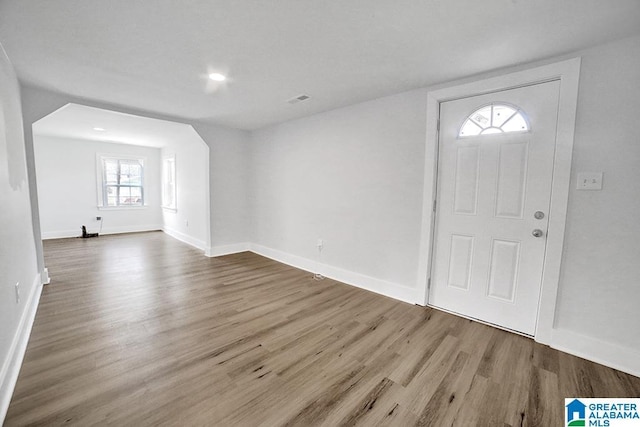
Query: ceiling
78	122
155	55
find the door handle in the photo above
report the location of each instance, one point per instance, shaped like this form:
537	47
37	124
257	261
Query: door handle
537	233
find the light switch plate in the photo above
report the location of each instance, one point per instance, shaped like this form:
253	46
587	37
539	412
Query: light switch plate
589	181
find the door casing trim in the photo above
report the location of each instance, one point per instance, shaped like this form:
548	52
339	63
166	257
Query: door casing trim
568	73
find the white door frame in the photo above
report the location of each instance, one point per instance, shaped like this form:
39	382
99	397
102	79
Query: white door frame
568	72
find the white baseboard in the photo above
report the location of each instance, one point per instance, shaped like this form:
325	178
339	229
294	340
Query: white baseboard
44	276
13	362
214	251
607	354
612	355
402	293
196	243
46	235
131	229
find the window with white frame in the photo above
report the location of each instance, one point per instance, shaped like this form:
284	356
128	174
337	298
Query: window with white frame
122	182
169	197
494	118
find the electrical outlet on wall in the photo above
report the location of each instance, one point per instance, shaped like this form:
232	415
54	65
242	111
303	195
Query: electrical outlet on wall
17	292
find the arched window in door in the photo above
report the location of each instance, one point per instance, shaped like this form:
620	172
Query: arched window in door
494	118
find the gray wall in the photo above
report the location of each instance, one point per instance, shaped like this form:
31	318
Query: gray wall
190	222
18	262
352	177
600	282
229	169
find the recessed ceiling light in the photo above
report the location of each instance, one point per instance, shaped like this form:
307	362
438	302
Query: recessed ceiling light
99	129
217	77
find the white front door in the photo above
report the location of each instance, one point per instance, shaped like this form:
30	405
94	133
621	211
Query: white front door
495	166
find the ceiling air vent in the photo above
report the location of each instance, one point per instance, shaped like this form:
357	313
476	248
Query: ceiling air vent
298	98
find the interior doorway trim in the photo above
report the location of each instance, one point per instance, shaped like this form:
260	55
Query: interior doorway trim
568	73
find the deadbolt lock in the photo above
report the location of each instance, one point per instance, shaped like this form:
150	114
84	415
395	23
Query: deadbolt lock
538	215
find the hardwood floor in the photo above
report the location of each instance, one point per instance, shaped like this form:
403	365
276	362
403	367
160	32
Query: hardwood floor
144	330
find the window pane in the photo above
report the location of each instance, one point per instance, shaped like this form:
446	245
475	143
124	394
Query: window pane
482	116
470	129
131	196
111	179
168	183
515	124
131	173
171	167
168	195
136	195
125	196
112	196
124	174
135	180
501	113
493	119
110	166
491	130
122	182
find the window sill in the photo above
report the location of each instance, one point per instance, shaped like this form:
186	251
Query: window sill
121	208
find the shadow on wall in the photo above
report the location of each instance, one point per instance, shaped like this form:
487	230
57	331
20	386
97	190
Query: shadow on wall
11	123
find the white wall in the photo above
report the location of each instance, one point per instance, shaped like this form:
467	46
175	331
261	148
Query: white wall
67	188
190	221
18	262
352	177
600	284
229	169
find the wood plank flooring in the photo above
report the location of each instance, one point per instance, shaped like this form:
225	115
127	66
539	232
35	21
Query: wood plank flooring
143	330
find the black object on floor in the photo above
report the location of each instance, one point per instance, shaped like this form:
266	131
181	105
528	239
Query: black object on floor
86	235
